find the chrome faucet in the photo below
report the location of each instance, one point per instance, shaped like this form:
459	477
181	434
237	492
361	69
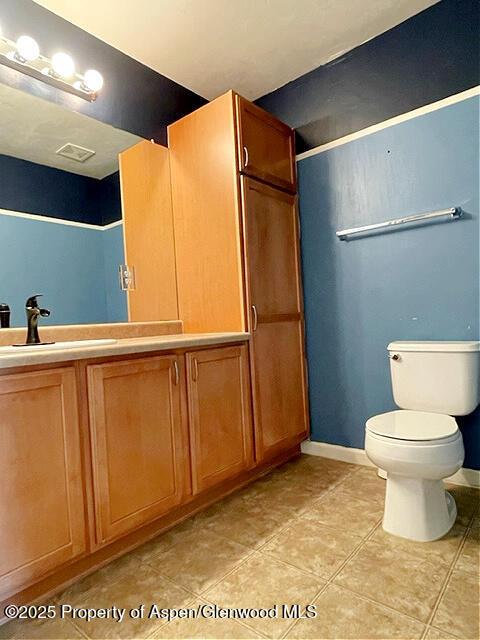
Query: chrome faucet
33	313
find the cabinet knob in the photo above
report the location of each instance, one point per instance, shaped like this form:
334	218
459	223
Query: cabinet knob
195	370
245	156
255	317
176	374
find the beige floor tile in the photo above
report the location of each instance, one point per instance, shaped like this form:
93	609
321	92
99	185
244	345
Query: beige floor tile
400	580
316	466
199	560
39	629
247	522
106	576
204	627
469	559
312	547
459	609
141	586
442	550
262	582
289	498
166	540
342	614
438	634
365	483
341	510
467	500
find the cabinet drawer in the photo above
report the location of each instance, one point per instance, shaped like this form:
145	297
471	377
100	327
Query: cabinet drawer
220	416
41	498
266	146
137	441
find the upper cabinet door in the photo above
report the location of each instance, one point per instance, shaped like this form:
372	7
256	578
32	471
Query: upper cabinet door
148	232
41	497
266	146
139	459
272	249
220	416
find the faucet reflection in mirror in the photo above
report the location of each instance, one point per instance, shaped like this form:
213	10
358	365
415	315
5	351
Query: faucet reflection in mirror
34	312
24	55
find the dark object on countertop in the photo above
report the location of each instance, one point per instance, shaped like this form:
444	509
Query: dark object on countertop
33	312
4	316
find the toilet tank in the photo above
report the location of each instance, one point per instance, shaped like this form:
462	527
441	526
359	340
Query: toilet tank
442	377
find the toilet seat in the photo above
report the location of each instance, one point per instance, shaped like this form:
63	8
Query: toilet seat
413	426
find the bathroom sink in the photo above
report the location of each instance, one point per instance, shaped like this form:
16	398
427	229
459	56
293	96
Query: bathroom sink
72	344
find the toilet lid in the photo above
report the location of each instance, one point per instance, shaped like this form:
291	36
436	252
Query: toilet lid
412	425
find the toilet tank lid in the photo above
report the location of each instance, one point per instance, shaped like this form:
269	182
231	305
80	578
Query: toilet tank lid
434	345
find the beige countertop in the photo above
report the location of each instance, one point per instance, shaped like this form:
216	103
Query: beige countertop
123	346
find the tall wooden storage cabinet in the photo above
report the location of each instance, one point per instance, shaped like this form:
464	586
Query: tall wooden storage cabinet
237	252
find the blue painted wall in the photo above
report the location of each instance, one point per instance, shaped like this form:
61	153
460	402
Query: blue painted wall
72	266
434	54
415	284
35	188
113	256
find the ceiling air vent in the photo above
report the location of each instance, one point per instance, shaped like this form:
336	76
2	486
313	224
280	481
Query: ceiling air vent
74	152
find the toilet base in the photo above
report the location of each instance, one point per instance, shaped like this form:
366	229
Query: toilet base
418	509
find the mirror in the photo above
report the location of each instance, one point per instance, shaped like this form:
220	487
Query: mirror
61	231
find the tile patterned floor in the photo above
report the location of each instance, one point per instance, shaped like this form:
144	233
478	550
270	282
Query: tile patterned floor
308	534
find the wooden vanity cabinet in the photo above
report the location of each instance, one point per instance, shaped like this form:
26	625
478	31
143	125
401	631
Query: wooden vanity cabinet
41	484
139	443
221	431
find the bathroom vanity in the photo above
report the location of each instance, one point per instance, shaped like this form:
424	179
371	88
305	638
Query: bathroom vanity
104	446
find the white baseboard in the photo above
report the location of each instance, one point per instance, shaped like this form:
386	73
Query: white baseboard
466	477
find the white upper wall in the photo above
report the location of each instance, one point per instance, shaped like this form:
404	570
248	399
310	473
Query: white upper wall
252	46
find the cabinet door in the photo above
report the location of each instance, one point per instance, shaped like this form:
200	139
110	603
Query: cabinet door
266	146
274	291
148	232
41	497
220	417
138	442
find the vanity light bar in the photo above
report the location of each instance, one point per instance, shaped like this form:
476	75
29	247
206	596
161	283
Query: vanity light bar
24	55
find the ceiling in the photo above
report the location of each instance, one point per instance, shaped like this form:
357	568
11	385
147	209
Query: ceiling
252	46
33	129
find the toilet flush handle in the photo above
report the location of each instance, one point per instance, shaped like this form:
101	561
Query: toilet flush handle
394	356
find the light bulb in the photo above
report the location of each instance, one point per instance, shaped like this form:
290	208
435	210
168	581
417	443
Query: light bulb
63	65
93	80
27	49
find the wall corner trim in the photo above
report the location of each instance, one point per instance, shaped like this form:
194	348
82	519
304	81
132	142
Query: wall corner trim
465	477
403	117
36	217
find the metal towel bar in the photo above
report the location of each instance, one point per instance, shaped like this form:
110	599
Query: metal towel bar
454	213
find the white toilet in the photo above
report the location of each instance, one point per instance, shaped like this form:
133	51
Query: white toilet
421	444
